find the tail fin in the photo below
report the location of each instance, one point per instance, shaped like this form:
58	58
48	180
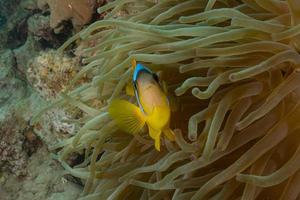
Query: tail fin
128	116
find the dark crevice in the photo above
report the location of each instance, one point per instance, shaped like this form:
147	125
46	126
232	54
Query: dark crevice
57	39
18	35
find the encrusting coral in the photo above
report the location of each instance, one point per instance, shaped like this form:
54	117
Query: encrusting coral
13	157
50	72
234	66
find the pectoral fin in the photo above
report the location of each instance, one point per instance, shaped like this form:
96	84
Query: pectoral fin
128	116
155	135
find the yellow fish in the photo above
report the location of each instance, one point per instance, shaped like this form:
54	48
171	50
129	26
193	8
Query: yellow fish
153	107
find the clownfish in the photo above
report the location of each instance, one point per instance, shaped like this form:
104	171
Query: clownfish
152	107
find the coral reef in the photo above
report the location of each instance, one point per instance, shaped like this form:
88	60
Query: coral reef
14	32
78	11
50	72
13	158
8	7
54	127
26	52
44	181
39	28
25	32
234	67
12	88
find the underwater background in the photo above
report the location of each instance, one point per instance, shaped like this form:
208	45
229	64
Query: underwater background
230	71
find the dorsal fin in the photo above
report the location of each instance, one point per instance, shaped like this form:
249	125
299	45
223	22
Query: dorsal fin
133	63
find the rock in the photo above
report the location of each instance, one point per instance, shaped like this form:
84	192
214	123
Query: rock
39	28
14	32
12	89
44	181
8	7
26	52
27	170
12	157
7	63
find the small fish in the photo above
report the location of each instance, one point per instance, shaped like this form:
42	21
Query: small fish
153	106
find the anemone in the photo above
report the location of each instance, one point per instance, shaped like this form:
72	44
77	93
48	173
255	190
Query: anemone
233	67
